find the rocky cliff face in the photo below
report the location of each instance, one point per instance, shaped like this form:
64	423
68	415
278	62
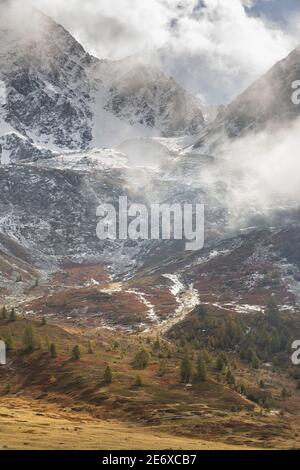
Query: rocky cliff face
141	94
47	92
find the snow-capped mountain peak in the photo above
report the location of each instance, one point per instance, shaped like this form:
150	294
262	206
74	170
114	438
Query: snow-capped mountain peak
59	97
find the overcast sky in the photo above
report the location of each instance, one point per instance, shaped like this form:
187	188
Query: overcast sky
215	48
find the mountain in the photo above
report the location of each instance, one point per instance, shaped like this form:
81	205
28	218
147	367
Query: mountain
47	89
58	97
268	101
141	94
60	106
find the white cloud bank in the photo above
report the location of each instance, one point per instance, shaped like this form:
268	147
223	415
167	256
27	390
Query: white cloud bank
259	174
212	47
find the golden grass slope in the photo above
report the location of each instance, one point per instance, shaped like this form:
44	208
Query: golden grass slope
28	425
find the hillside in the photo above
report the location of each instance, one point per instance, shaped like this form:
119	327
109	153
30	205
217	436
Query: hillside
76	393
28	425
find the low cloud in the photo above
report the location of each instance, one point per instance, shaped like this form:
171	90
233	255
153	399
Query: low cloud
259	174
212	47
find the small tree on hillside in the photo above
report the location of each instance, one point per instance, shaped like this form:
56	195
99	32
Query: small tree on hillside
185	369
262	383
230	379
10	342
273	313
3	313
108	377
201	369
255	362
76	353
202	312
90	347
12	315
30	339
142	359
138	381
220	365
52	350
252	358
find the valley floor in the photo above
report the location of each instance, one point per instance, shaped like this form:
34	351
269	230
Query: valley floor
31	425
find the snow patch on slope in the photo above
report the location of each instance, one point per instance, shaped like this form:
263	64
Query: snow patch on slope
187	298
177	286
151	314
98	159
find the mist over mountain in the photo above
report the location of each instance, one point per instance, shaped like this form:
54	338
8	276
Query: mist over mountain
57	96
61	106
268	101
